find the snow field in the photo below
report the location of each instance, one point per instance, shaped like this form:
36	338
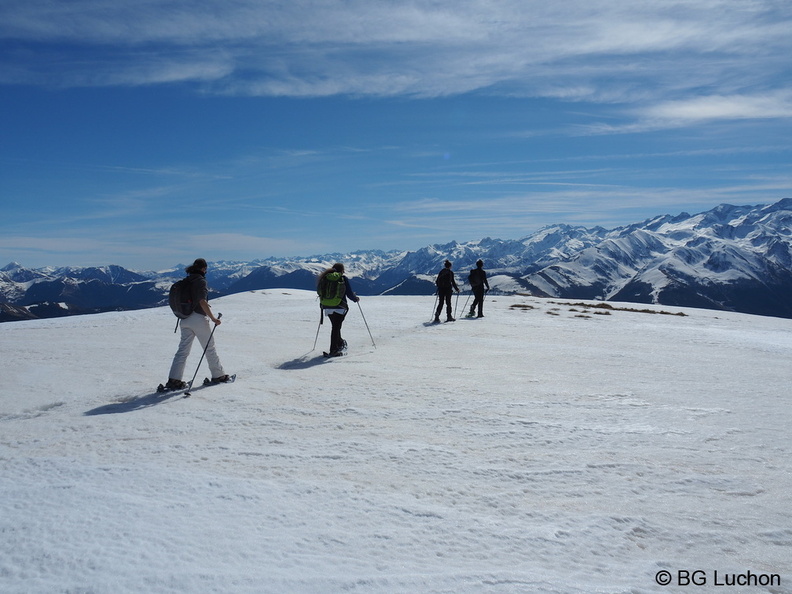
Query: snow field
547	447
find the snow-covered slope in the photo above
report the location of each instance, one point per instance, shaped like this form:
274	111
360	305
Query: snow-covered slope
548	447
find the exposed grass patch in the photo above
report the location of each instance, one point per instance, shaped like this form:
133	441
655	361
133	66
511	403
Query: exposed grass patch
609	308
602	309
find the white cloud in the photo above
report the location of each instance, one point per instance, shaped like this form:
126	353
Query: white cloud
230	243
575	49
131	246
697	110
717	107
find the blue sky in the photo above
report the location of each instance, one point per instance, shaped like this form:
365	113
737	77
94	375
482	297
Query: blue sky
149	132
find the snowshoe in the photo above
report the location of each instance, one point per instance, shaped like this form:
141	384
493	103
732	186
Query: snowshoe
172	384
223	379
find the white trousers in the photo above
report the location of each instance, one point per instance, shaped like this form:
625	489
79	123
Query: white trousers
200	327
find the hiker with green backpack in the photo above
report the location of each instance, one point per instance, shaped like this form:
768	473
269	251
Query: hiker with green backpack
333	289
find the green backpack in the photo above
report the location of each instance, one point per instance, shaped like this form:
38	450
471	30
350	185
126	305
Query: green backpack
331	289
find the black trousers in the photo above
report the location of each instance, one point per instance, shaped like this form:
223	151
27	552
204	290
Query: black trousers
336	342
478	300
444	297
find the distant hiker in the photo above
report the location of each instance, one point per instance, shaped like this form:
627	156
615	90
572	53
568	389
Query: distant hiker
333	288
446	285
479	284
197	325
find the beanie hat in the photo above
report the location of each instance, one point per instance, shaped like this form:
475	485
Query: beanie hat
197	266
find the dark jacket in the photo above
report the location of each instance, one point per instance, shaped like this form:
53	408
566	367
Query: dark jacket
348	292
445	281
199	290
478	278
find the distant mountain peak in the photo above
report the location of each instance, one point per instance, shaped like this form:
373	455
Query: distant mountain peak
731	257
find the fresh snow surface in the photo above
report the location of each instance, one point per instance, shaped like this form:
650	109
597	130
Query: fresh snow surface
543	448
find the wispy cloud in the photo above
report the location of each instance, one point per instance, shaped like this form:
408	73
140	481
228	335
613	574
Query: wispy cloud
239	243
134	245
699	109
513	214
609	51
717	107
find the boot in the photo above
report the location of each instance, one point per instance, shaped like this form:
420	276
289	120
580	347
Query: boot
175	384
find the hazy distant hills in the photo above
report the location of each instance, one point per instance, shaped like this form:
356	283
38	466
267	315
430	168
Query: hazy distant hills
736	258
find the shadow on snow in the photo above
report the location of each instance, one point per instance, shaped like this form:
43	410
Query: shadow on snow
138	402
303	362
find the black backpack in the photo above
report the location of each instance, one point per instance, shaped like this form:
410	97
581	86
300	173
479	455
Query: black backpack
444	279
180	298
476	277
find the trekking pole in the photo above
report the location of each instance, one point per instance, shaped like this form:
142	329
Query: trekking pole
208	342
434	305
464	307
456	303
367	326
321	319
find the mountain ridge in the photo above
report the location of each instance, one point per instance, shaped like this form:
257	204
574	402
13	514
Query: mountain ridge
736	258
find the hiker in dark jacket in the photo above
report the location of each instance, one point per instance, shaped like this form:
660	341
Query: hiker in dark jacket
335	309
197	325
446	285
479	284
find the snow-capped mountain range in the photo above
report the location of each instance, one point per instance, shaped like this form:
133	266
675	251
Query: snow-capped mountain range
736	258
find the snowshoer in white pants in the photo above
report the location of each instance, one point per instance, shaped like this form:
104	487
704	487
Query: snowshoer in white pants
197	325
